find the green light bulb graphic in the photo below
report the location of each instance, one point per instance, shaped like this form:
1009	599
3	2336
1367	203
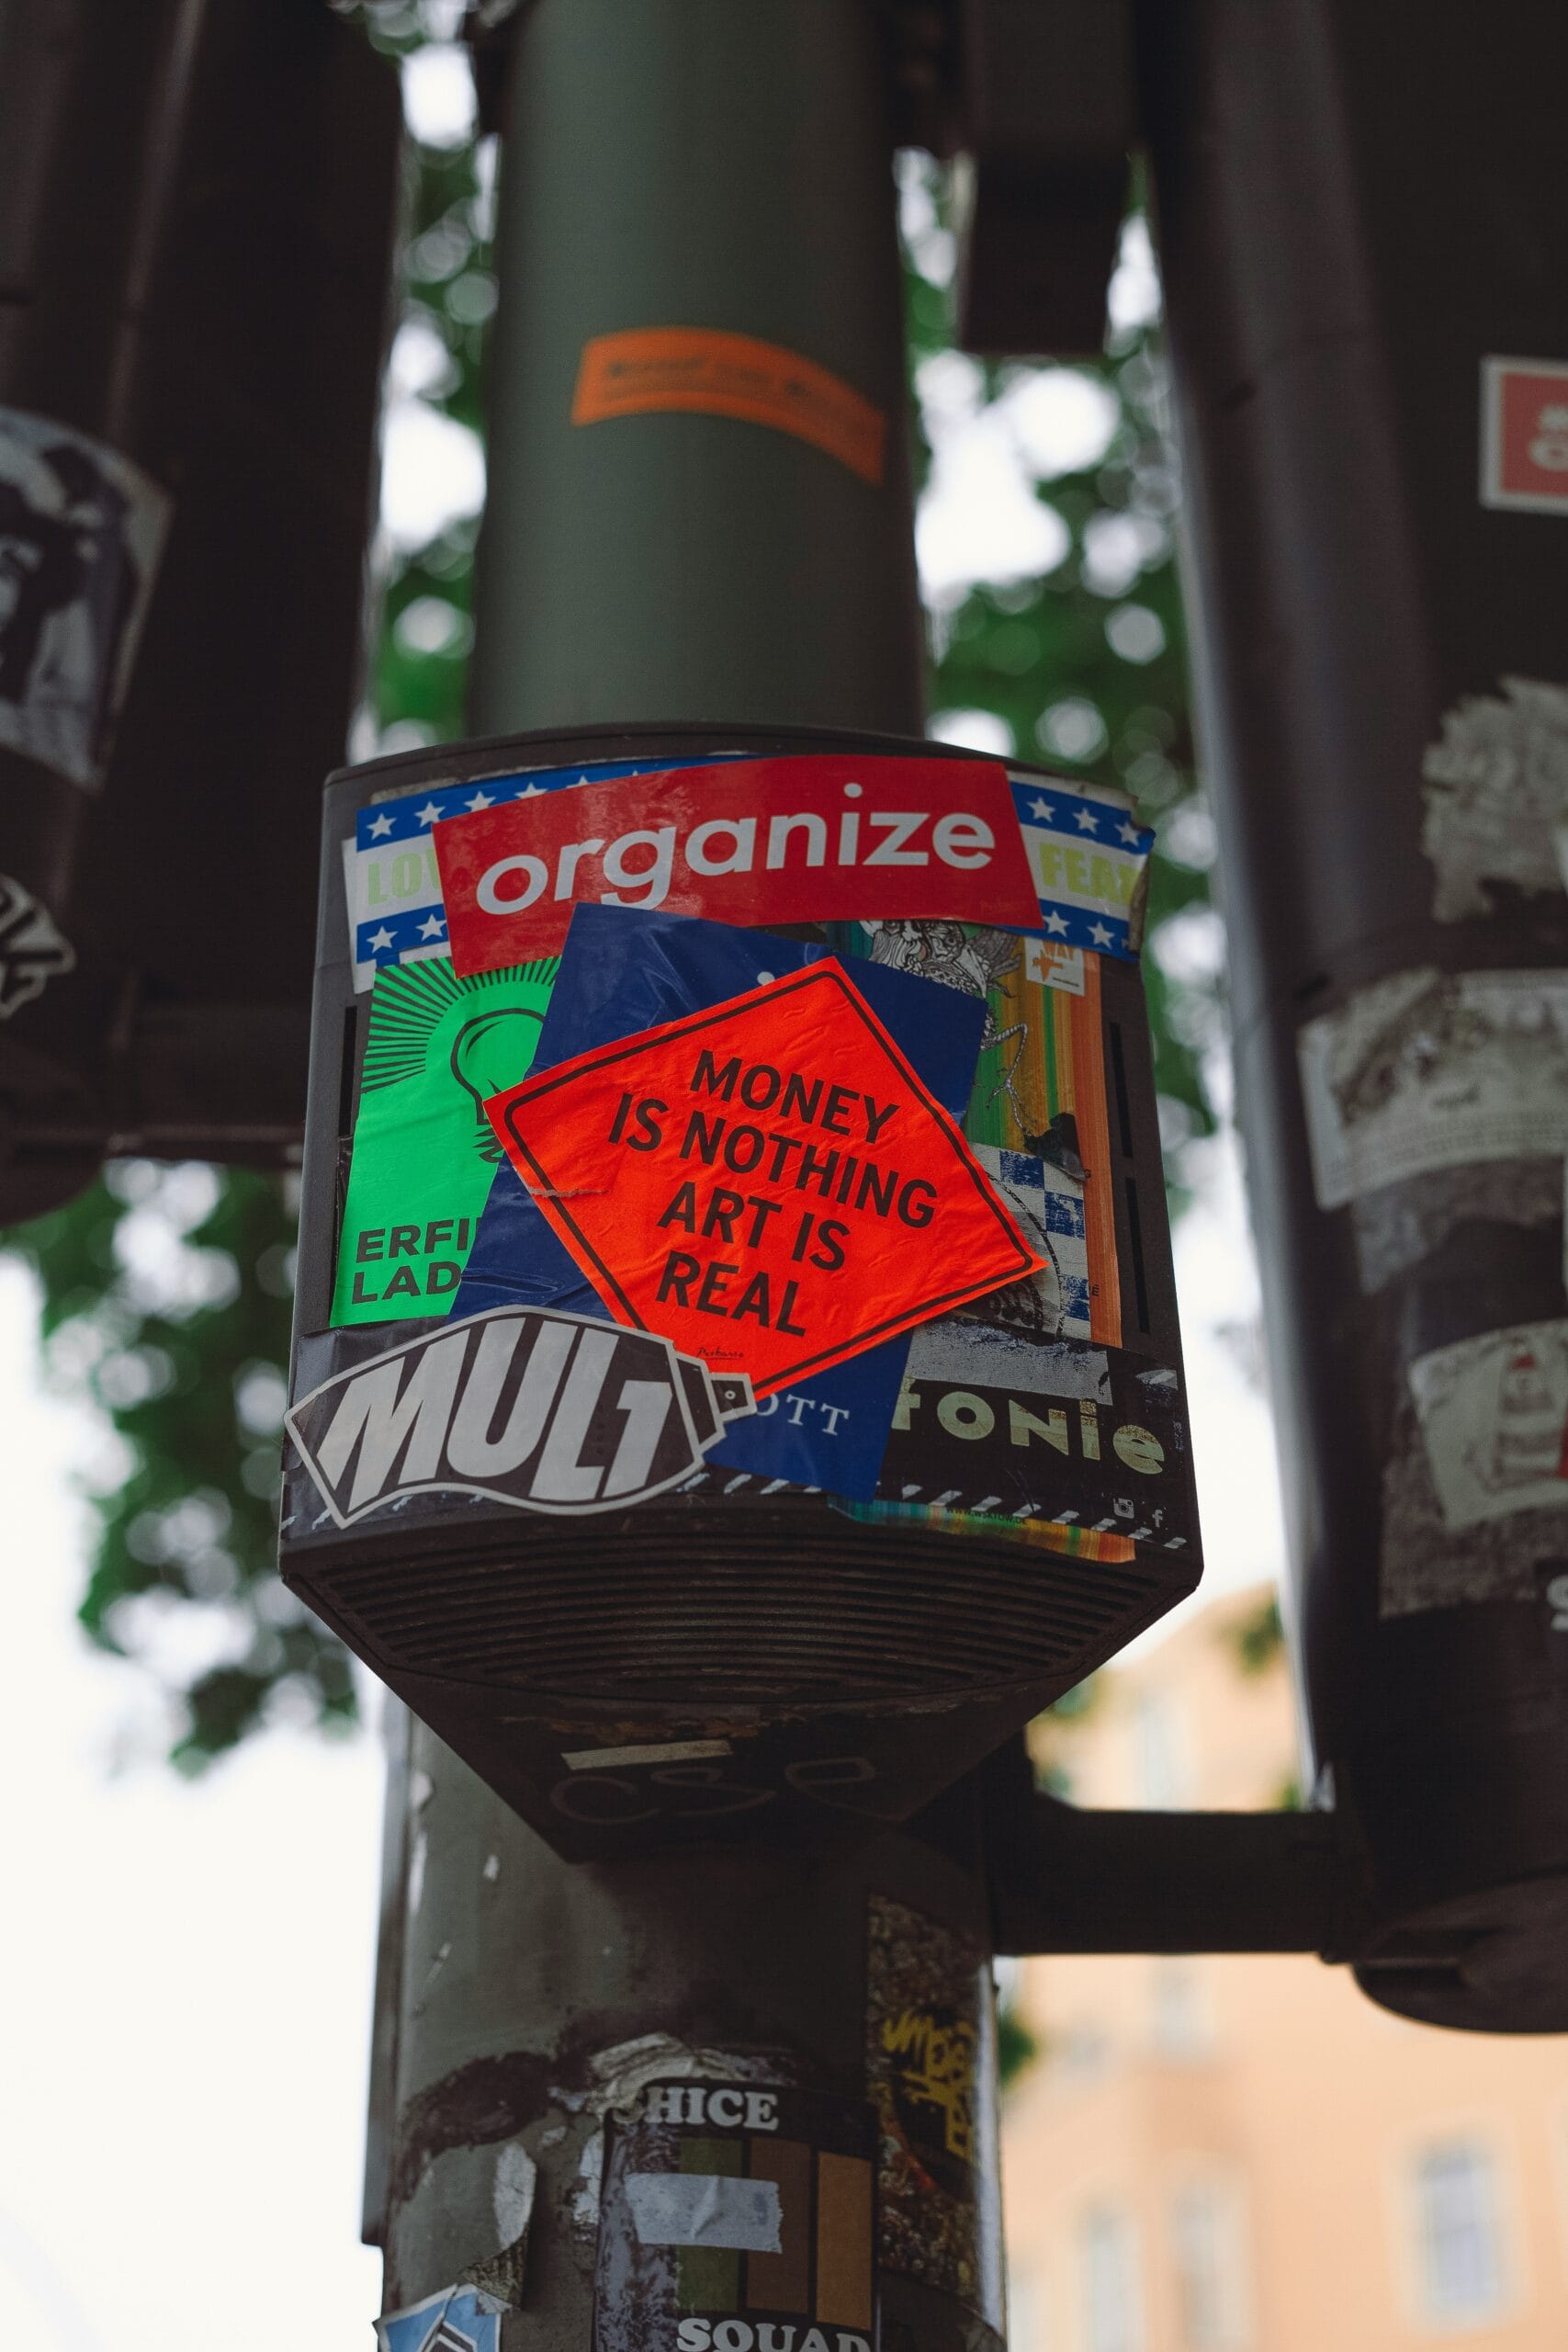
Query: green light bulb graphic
490	1053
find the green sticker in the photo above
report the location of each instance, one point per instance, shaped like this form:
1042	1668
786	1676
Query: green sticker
424	1154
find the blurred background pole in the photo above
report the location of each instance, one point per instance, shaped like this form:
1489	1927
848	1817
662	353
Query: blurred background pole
666	162
1364	239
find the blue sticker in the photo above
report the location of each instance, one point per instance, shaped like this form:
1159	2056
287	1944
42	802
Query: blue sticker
624	971
830	1431
459	2319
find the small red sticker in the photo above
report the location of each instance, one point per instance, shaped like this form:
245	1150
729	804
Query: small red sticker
821	840
1524	433
765	1182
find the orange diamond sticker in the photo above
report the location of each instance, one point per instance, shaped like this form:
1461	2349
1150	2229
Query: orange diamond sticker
766	1183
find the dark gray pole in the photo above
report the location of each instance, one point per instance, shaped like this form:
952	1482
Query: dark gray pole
1364	236
676	164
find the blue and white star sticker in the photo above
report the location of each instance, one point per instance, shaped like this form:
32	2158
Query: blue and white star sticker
457	2319
1088	856
390	876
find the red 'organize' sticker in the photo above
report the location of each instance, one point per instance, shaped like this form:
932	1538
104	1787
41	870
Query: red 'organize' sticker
826	839
766	1183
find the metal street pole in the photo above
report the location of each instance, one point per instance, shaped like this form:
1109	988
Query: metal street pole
680	163
1364	236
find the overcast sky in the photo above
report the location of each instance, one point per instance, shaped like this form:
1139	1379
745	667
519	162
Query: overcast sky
185	2018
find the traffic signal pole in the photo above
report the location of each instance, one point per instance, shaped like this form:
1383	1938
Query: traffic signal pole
680	163
1368	345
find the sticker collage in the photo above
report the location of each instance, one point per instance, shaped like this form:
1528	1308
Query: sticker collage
793	1073
1437	1111
732	2208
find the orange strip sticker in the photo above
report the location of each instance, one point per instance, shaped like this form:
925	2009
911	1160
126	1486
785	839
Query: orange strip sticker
715	374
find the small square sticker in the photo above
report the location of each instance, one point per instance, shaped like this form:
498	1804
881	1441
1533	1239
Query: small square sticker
1524	434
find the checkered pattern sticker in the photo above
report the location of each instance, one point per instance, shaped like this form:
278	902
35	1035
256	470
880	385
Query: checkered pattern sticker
1048	1205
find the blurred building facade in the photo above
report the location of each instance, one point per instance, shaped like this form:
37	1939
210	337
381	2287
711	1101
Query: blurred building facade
1242	2154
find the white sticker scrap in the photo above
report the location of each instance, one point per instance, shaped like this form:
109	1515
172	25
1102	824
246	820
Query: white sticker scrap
704	2209
1494	1414
1496	796
1053	966
81	533
1431	1070
32	948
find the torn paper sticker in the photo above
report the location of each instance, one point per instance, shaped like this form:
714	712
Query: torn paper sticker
1496	794
1399	1225
1425	1564
704	2209
455	2319
81	533
1433	1069
1040	1092
1494	1414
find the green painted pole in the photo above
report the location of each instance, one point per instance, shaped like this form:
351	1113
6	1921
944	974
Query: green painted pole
693	165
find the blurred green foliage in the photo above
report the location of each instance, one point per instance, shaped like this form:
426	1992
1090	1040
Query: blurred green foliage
1017	2046
166	1292
1259	1637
